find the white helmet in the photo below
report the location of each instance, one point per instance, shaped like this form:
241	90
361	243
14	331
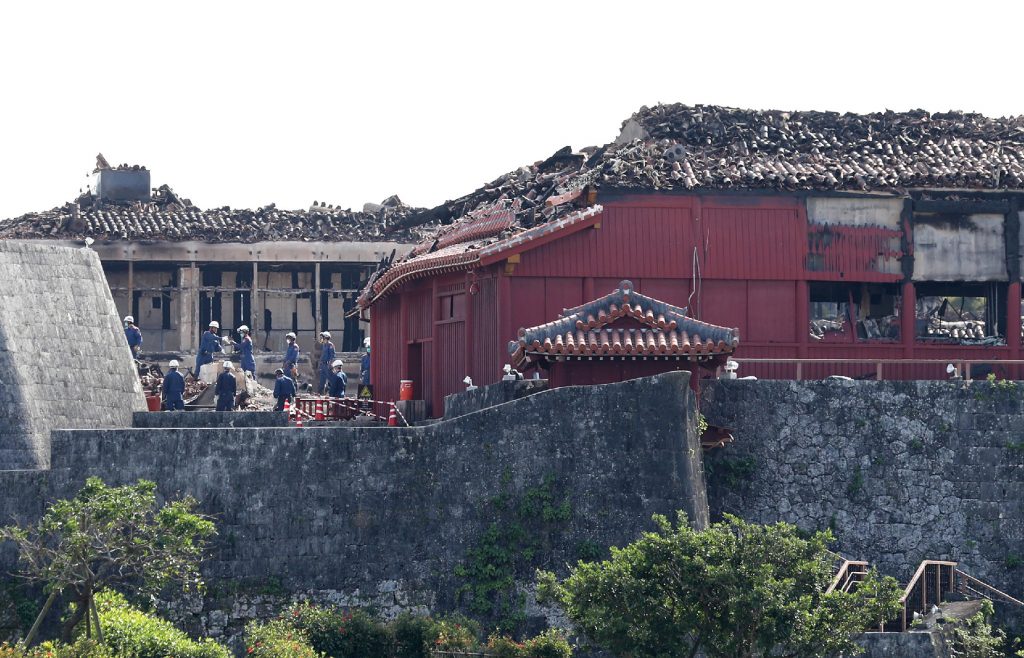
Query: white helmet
366	341
243	329
215	324
227	365
290	334
129	318
337	364
173	363
326	334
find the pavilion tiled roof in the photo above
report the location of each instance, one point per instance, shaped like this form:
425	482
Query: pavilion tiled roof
624	324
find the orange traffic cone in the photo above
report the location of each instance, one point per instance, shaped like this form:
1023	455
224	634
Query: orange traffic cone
319	413
393	417
298	421
287	408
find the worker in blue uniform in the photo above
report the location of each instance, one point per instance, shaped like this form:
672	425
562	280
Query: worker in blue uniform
133	334
226	388
284	389
291	358
326	359
174	388
364	366
208	345
338	381
245	347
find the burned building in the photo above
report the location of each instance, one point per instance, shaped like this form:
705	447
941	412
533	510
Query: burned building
876	245
175	267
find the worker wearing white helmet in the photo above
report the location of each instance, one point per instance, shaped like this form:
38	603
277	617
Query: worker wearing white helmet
133	334
338	380
174	388
291	357
326	359
209	344
364	365
245	347
226	388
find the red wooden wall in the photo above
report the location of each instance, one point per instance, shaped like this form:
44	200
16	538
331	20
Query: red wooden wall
735	261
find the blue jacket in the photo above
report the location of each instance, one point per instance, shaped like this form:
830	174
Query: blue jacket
291	357
327	357
134	336
364	370
339	381
226	385
174	385
248	362
284	388
208	344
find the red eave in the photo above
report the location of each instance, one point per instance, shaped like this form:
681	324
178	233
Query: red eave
541	235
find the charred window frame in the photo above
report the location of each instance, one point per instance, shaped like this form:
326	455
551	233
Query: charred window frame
960	312
849	311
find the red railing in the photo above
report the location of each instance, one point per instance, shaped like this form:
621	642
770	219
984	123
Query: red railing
305	408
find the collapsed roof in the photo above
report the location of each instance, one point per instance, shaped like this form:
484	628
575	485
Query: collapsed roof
169	217
707	148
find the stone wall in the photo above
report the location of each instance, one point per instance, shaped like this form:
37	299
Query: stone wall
64	361
902	471
481	397
382	516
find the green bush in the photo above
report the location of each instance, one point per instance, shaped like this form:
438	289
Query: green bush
413	635
130	632
549	644
502	646
82	648
277	639
455	632
340	633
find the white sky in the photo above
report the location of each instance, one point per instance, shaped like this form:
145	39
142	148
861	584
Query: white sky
248	103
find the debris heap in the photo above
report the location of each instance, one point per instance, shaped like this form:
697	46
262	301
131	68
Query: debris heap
169	217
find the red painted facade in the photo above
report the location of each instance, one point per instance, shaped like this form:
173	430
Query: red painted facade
735	261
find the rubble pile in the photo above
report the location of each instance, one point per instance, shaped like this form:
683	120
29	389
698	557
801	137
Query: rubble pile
682	147
686	147
169	217
528	188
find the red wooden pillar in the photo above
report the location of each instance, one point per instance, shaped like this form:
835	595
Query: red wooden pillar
470	346
908	312
803	321
1013	331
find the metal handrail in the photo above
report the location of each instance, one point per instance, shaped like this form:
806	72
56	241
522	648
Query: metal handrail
963	365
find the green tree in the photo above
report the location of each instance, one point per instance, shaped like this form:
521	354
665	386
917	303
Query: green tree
735	590
106	536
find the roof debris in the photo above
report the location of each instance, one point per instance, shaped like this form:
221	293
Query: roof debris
168	216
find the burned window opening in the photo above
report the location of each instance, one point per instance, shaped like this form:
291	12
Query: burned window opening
961	313
854	311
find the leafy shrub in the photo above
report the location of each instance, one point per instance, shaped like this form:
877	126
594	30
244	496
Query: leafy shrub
455	632
413	635
82	648
277	639
549	644
502	646
341	633
130	632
